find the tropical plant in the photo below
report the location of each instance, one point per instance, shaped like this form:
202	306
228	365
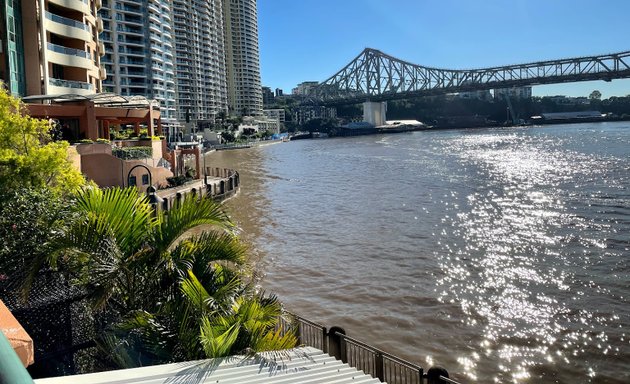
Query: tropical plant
174	283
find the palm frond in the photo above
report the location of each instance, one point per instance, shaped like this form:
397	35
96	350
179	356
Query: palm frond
218	335
200	252
274	341
196	294
119	211
190	214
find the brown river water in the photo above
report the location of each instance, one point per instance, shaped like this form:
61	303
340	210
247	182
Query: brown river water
500	254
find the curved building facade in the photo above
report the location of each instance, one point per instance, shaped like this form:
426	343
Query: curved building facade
200	60
242	57
52	47
139	53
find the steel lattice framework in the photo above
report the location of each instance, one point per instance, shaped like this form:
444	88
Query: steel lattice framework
376	76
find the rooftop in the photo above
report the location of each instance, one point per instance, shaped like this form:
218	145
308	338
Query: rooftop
305	364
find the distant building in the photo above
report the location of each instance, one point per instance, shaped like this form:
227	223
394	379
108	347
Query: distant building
523	93
478	95
303	114
279	92
565	100
254	124
278	114
304	89
268	96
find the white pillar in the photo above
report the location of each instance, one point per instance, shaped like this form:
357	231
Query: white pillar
375	112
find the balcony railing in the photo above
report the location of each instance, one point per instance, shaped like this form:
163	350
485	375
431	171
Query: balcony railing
70	84
69	51
66	21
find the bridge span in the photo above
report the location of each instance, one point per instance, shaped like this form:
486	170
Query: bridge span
376	76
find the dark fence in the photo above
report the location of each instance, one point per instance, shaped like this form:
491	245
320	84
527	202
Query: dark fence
382	365
57	317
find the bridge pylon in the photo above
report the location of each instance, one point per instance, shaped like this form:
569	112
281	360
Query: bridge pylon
375	112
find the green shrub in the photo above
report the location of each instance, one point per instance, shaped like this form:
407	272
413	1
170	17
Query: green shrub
131	153
176	181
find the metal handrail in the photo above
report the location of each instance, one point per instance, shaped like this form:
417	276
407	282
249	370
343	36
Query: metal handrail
360	355
66	21
69	51
70	84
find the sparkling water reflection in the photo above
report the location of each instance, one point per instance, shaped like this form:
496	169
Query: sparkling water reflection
501	254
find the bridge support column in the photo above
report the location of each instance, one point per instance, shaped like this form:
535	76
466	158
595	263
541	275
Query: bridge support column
375	112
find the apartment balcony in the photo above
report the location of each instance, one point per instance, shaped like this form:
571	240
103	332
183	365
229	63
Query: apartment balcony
76	5
134	31
67	27
155	37
127	61
62	87
131	51
136	42
129	9
69	56
155	28
136	73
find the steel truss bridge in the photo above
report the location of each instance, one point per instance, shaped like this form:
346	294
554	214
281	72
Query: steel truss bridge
376	76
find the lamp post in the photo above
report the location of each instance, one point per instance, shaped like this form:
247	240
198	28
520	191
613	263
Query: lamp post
154	199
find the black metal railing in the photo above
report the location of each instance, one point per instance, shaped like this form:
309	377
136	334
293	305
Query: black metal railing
373	361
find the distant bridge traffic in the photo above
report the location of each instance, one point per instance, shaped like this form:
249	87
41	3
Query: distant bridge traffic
376	76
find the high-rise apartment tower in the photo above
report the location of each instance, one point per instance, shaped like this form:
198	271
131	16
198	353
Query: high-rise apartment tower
242	57
50	47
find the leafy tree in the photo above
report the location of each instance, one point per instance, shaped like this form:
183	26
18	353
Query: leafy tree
228	136
30	219
595	95
28	156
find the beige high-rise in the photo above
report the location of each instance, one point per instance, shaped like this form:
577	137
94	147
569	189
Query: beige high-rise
52	47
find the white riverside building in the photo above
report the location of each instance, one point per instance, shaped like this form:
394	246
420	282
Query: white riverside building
242	58
195	57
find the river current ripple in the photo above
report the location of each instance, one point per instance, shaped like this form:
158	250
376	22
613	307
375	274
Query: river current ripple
500	254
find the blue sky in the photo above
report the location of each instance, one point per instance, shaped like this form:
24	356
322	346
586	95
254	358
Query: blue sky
302	40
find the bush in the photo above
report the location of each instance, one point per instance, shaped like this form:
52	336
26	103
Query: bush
102	141
131	153
29	219
176	181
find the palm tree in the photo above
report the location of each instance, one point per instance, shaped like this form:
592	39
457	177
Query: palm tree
162	276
